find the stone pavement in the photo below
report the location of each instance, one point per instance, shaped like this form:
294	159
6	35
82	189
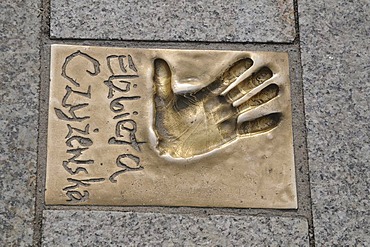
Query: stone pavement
328	45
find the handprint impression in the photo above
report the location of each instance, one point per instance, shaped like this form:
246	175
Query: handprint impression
195	123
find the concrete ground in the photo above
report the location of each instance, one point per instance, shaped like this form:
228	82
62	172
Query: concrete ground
328	45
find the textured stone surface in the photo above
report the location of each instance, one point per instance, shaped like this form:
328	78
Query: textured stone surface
335	56
155	229
237	21
19	81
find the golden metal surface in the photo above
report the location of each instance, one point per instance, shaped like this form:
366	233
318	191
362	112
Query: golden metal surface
169	127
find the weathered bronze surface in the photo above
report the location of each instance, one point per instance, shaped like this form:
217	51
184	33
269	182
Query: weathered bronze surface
169	127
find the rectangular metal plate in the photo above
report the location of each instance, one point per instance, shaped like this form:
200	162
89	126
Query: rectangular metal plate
169	127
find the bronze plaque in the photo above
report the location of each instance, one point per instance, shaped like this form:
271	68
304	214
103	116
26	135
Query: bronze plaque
199	128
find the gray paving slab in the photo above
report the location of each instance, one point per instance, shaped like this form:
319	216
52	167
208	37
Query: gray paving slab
335	58
172	20
19	81
102	228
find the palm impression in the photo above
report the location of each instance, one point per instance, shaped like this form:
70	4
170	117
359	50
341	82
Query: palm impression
195	123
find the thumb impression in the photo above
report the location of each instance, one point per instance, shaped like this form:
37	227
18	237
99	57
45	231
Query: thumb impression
162	81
